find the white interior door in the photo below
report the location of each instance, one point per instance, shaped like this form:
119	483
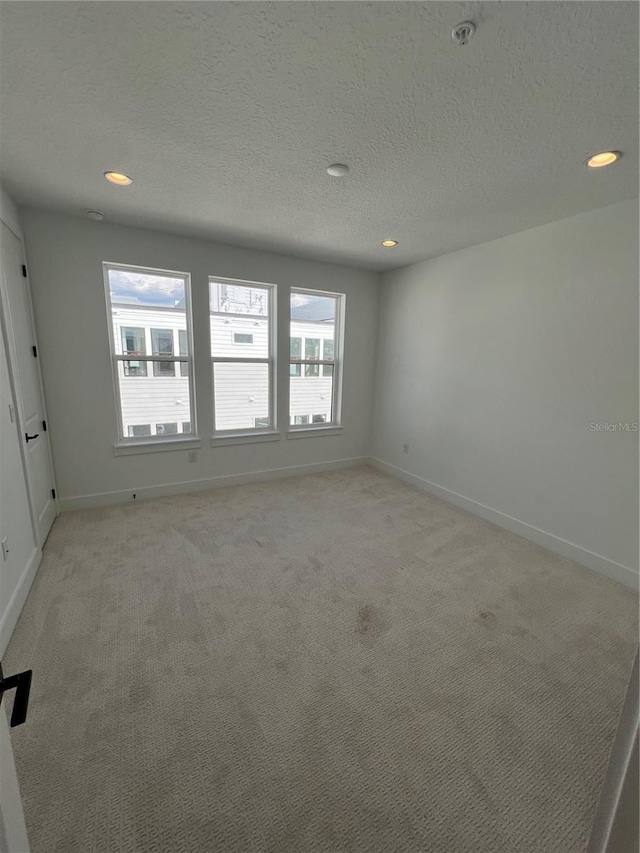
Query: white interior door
29	396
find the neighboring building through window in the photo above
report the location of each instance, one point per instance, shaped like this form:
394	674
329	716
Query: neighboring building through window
242	355
315	340
150	322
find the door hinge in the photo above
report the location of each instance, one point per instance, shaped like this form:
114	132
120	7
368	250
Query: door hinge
44	425
24	271
53	494
34	350
22	682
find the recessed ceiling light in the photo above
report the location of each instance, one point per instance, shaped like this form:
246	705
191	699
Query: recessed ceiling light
389	244
604	158
338	170
95	215
118	178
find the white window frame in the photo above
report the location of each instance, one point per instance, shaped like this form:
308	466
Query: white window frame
124	441
271	359
337	363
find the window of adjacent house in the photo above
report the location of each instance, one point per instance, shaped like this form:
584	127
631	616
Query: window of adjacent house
167	429
133	343
186	426
138	430
312	352
149	322
184	350
295	354
162	344
316	323
243	398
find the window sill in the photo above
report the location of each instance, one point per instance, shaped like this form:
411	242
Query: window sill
244	438
127	449
314	431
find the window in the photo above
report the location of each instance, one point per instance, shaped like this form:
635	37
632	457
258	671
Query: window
184	350
162	344
295	354
138	430
312	352
317	319
133	343
242	379
186	426
149	318
167	429
327	355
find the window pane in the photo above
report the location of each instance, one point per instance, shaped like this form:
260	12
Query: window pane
313	321
239	316
186	426
138	430
241	394
149	317
262	423
156	399
294	369
312	395
167	429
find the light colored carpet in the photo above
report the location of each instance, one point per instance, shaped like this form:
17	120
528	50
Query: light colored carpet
335	662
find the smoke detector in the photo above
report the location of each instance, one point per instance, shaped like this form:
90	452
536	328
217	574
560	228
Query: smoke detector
462	33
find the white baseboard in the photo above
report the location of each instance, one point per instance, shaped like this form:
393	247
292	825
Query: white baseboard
166	489
597	563
17	600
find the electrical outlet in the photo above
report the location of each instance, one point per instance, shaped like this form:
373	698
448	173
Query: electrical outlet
193	456
405	448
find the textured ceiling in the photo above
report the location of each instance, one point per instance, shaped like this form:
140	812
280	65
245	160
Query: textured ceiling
227	114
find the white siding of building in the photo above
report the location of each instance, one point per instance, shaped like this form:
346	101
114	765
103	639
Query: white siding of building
241	391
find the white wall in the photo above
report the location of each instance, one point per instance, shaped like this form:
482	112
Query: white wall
493	361
65	258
